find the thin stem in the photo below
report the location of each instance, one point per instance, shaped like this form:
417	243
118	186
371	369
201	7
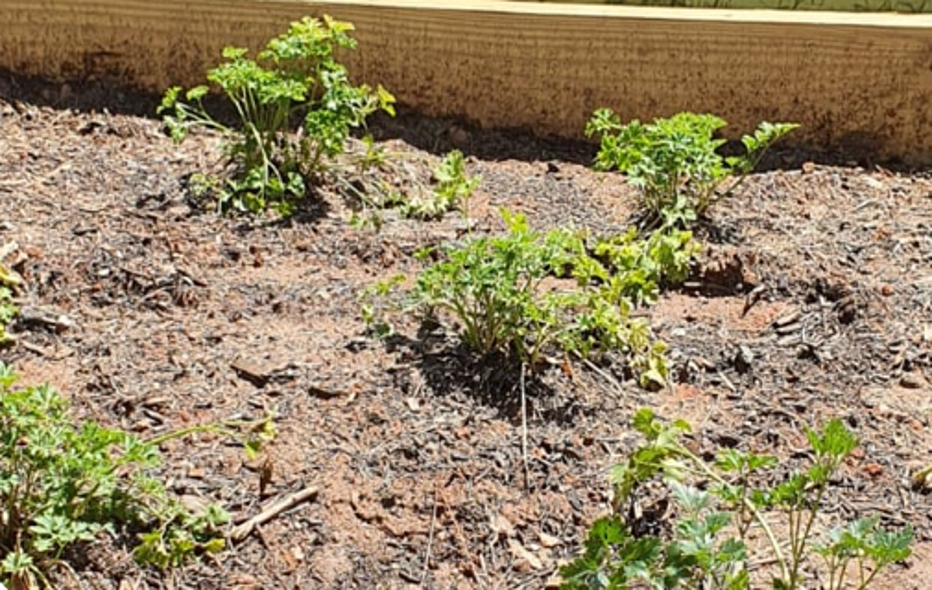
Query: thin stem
224	428
765	526
870	577
799	541
831	564
527	471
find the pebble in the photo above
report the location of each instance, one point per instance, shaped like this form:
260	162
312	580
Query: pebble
912	381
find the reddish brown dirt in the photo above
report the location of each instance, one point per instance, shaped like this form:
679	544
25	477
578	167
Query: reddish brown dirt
416	457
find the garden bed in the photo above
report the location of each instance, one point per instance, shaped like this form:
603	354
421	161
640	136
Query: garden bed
814	300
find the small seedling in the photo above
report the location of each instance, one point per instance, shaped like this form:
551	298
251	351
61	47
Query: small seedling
675	162
451	191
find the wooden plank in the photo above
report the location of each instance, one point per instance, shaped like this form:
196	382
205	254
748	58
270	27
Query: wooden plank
904	6
861	81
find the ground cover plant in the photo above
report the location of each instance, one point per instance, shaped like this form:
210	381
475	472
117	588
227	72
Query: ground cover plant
154	318
64	483
717	503
295	78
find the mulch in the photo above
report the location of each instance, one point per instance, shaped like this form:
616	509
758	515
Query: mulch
813	300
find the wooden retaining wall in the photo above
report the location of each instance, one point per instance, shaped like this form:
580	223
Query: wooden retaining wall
862	81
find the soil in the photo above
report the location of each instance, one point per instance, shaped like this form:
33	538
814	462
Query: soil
813	300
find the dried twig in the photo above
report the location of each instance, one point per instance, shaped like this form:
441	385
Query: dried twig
243	530
430	540
527	471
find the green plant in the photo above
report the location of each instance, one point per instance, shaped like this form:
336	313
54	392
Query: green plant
373	306
634	269
296	77
708	547
451	191
675	163
865	545
515	294
64	482
494	287
9	280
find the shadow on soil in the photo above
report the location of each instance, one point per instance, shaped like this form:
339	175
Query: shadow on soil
493	380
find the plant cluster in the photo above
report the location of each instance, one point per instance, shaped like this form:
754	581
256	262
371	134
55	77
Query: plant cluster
451	190
295	108
526	294
64	482
674	162
717	509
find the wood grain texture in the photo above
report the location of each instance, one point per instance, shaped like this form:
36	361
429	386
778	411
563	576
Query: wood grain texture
862	81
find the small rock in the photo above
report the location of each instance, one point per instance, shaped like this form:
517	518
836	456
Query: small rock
251	371
873	470
194	504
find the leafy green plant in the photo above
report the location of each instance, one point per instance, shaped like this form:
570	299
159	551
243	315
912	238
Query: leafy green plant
64	482
675	163
866	546
633	269
296	77
708	548
516	295
374	305
494	287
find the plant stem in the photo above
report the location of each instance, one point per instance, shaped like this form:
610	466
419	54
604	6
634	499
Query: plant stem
765	526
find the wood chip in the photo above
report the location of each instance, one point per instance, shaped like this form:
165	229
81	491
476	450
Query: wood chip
789	318
524	559
251	371
548	541
501	526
